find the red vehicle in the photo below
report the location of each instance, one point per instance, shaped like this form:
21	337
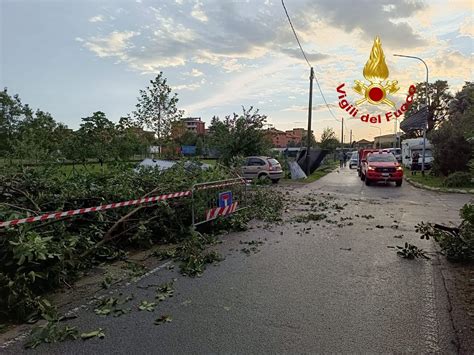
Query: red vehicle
381	166
363	156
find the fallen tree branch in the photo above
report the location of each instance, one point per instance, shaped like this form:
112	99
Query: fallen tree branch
27	196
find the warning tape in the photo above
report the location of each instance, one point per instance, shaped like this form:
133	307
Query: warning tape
220	211
57	215
205	187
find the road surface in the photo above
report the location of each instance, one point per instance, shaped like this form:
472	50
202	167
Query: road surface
321	286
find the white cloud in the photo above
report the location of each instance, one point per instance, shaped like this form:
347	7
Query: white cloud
113	45
467	27
195	72
198	13
98	18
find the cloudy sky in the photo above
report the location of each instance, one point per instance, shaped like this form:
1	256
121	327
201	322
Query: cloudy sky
72	57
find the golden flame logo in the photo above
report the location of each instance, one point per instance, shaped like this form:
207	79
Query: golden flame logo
376	71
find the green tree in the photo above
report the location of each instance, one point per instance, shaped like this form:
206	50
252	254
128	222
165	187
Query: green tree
439	98
157	108
96	135
328	139
452	139
239	135
39	138
304	140
12	113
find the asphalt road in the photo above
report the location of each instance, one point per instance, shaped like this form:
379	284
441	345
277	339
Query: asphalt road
315	287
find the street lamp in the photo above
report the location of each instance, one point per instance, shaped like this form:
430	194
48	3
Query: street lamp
380	133
426	103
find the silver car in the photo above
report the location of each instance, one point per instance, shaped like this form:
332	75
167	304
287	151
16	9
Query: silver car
354	160
260	167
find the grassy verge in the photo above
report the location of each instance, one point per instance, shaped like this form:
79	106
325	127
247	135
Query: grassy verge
431	180
323	170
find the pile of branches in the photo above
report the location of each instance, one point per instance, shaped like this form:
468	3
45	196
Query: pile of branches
38	257
457	243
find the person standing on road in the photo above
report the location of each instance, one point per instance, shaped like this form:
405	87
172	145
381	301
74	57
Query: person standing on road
414	162
341	159
345	159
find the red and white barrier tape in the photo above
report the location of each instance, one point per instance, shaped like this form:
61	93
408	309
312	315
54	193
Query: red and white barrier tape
204	187
220	211
57	215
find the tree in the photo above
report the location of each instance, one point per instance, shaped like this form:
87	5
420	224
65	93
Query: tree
156	108
239	135
12	113
439	99
451	141
95	137
304	140
36	139
328	139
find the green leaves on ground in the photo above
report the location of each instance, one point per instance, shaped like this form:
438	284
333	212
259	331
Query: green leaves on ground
52	332
99	333
110	306
410	251
147	306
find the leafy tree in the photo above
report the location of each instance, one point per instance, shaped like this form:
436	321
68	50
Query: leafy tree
95	137
12	112
452	143
239	135
304	140
156	108
199	146
328	139
439	98
36	139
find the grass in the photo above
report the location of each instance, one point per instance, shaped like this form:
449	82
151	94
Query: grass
323	170
431	180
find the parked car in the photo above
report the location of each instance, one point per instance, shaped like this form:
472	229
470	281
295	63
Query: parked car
381	166
354	160
262	168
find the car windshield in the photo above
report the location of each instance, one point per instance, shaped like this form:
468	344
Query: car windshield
385	158
273	162
355	155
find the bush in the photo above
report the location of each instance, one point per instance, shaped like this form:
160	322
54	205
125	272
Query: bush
458	179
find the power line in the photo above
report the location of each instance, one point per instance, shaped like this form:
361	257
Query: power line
294	32
307	61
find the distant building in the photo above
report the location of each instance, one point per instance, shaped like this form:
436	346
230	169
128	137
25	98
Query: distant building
363	144
149	136
194	124
385	141
283	139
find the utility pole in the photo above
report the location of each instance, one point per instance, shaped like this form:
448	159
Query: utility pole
350	140
310	112
342	133
427	103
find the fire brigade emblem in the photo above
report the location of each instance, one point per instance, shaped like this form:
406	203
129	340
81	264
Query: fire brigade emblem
376	72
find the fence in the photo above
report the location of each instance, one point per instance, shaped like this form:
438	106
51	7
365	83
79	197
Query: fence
218	198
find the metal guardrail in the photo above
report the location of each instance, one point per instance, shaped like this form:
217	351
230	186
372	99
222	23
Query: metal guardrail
211	200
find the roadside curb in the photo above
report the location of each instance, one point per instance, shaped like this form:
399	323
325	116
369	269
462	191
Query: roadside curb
438	189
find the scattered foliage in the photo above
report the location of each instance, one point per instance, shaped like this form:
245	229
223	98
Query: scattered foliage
410	251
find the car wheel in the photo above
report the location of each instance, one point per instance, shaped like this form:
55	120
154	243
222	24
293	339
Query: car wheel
367	182
398	183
